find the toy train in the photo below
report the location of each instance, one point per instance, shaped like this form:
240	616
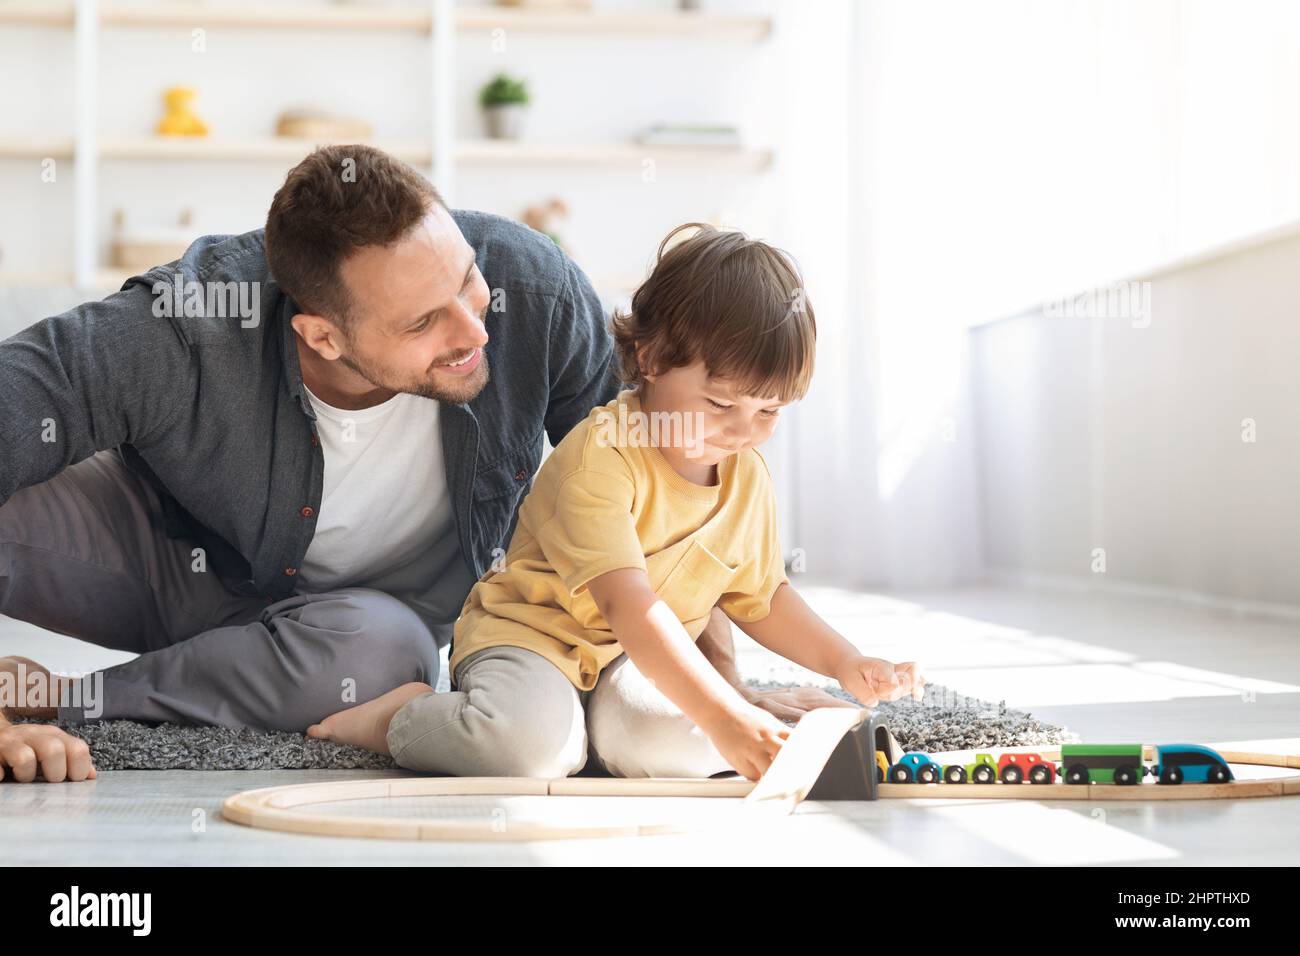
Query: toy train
1119	764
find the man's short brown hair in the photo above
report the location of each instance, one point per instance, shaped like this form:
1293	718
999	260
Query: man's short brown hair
735	303
337	200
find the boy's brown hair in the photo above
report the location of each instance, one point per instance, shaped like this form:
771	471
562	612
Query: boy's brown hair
335	201
735	303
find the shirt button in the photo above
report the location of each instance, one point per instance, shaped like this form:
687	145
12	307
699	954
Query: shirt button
290	572
315	440
521	475
306	511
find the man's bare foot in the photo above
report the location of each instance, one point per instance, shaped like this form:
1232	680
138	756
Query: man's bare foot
366	725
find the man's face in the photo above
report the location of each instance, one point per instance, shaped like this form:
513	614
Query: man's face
418	308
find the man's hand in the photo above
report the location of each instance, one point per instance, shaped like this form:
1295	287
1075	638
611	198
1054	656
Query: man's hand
27	748
872	680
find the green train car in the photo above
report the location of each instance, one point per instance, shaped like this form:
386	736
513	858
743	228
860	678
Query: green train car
1119	764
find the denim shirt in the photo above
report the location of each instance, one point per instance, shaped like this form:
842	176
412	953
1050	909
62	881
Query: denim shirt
201	394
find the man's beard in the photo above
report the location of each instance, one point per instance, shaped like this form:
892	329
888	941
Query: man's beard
452	390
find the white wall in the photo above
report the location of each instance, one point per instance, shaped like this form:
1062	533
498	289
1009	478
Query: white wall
1015	151
1110	433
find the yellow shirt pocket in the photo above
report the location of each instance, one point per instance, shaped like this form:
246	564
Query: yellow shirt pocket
695	584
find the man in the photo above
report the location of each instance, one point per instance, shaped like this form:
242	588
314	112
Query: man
275	468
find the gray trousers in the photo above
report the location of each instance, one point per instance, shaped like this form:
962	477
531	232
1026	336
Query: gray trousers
515	714
85	554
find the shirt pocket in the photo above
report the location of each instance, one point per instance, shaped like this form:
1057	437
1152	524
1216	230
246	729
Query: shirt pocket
695	583
499	486
508	475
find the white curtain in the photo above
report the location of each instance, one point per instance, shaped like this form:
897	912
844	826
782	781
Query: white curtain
876	465
947	163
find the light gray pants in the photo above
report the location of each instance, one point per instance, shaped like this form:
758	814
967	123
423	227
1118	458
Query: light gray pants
85	554
515	714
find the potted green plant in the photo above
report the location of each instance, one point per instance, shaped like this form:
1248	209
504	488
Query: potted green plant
505	102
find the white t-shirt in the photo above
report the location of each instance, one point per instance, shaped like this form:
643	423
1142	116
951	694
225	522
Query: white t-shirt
385	519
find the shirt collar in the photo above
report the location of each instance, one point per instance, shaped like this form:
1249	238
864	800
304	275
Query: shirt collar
289	348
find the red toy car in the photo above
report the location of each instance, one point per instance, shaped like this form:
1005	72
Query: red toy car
1014	768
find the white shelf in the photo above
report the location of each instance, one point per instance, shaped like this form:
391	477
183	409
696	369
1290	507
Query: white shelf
149	15
470	153
36	14
685	23
102	280
35	147
503	152
269	149
393	19
245	16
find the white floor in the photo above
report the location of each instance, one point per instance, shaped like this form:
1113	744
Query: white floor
1112	669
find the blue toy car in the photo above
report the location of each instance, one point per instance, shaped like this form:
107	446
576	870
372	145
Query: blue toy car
914	768
1189	763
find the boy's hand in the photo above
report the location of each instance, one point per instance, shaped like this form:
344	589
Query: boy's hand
909	674
791	703
872	680
748	738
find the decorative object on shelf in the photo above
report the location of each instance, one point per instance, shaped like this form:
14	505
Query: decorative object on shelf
547	218
547	4
312	123
178	117
721	135
505	103
143	249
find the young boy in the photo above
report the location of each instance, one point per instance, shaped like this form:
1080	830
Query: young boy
648	514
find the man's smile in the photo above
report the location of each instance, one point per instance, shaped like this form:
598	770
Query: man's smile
464	365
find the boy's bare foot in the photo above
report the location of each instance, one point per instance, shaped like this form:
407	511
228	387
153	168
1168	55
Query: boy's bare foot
366	725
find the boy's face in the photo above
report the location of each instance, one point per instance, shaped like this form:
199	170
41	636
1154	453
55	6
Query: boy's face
731	422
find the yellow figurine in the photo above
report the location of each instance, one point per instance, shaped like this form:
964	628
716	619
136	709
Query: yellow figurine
179	119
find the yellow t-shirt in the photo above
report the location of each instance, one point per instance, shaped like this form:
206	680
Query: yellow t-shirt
598	505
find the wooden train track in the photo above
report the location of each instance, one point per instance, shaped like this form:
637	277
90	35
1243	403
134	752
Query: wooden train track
281	808
792	774
787	783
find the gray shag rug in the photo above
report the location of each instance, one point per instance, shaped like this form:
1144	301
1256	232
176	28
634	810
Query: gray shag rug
943	721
